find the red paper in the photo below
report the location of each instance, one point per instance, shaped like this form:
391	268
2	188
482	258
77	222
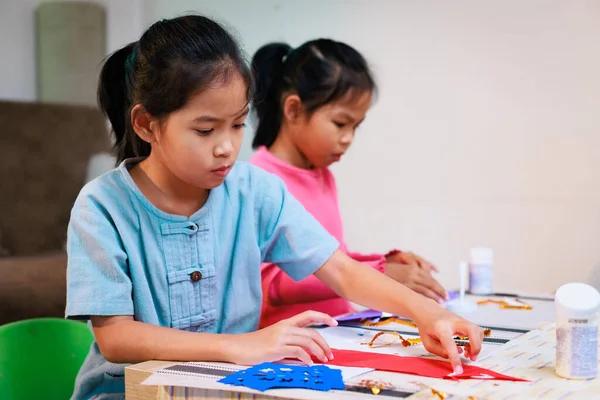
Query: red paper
413	365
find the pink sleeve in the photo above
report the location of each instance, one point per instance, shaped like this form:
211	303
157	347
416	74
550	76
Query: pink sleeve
376	261
281	290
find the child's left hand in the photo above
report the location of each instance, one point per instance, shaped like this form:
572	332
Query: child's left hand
437	328
408	258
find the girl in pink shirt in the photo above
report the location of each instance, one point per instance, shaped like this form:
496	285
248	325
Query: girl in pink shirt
309	102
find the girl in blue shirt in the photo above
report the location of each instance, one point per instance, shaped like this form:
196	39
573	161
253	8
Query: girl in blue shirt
165	251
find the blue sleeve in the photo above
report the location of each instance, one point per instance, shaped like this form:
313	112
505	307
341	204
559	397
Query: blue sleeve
289	235
98	281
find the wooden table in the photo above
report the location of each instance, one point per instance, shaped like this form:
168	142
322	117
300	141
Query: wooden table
136	374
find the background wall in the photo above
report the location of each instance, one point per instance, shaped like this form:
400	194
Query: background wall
17	40
485	131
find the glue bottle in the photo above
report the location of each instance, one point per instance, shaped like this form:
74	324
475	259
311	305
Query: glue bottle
577	306
481	271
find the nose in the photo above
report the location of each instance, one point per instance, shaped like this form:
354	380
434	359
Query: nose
224	149
347	138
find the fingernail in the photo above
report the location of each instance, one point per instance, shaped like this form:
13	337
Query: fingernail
458	370
474	358
325	359
331	356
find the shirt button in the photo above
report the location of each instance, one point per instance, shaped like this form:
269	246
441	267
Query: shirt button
196	276
192	227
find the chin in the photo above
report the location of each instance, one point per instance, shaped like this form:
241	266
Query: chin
213	183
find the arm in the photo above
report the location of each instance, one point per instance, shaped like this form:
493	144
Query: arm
123	340
436	325
347	278
282	290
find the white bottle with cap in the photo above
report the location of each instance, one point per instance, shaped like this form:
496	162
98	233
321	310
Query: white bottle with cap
577	306
481	271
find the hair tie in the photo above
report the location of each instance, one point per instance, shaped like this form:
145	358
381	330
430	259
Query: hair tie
130	63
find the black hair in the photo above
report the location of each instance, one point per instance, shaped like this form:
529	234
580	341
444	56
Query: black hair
320	72
173	60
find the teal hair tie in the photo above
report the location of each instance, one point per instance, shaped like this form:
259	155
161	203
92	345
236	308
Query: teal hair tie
130	63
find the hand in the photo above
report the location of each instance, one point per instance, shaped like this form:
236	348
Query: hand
406	257
438	326
286	339
417	279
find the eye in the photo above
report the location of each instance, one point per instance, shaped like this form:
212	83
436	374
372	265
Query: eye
239	126
204	132
339	124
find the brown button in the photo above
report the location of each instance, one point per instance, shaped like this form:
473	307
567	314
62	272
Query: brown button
196	276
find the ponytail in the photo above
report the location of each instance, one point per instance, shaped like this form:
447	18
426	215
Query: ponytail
114	98
268	66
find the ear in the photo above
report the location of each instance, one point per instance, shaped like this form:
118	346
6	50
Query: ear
292	108
144	125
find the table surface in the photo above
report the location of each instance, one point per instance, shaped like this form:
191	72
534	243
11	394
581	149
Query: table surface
344	337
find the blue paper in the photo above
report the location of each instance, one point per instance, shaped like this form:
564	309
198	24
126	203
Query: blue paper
270	376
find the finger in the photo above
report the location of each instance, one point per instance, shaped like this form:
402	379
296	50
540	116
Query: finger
468	351
308	344
425	291
409	259
447	341
434	346
295	352
475	340
318	340
312	317
423	263
432	284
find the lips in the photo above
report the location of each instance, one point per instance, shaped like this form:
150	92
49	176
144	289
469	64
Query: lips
222	171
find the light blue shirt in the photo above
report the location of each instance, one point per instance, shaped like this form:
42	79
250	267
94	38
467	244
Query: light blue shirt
202	273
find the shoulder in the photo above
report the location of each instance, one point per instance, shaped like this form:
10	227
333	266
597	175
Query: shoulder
252	181
244	175
106	194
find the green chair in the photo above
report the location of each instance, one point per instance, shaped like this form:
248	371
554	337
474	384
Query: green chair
39	358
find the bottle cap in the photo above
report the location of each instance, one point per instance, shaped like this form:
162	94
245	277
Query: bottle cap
577	300
482	255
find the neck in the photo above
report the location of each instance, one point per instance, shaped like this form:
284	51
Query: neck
285	149
165	190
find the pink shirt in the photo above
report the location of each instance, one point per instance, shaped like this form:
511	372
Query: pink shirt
317	191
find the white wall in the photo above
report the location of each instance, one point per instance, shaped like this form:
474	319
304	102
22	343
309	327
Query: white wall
486	131
17	40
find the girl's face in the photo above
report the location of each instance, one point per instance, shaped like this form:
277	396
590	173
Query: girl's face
200	142
325	135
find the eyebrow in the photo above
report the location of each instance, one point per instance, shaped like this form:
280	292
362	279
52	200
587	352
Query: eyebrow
348	116
210	118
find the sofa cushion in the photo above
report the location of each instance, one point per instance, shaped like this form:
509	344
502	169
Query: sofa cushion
32	287
44	154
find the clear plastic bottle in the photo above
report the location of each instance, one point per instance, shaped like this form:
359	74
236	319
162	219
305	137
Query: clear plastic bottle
577	306
481	271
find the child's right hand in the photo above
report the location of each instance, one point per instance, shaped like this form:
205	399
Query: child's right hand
286	339
416	279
